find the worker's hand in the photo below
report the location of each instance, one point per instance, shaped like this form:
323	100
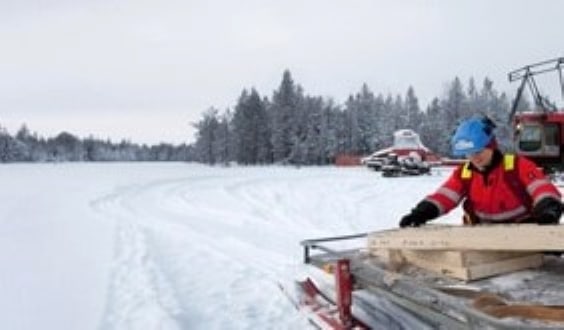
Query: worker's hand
547	211
423	212
412	220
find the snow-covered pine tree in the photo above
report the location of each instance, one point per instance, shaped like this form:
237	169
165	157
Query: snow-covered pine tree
250	129
412	110
284	106
205	137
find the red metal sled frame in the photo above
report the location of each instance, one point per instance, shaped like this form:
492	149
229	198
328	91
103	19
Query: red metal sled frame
337	314
329	314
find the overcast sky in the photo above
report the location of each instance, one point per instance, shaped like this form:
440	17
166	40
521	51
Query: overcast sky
145	69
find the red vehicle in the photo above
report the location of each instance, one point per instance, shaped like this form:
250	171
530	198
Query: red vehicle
539	134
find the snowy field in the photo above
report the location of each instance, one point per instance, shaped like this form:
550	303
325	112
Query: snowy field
175	245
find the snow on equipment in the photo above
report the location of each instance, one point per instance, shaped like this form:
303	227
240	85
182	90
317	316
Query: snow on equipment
451	277
406	156
409	165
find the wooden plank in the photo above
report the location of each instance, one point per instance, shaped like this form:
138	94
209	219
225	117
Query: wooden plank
394	258
460	258
443	269
472	258
526	237
451	258
505	266
480	271
386	255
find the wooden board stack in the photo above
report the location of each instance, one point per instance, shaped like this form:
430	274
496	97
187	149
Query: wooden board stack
468	252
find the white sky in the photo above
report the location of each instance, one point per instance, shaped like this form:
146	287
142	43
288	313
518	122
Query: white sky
145	69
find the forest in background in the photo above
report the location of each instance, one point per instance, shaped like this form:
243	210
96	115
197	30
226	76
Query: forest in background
26	146
290	127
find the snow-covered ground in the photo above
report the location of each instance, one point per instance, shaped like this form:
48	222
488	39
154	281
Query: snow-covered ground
175	245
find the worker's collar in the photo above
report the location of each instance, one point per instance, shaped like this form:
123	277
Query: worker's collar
497	157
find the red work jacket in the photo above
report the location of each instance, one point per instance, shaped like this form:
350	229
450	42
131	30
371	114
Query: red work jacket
507	193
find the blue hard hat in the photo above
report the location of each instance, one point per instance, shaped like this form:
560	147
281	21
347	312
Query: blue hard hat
472	136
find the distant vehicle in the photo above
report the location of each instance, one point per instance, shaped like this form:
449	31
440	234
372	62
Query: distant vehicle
539	134
375	160
409	165
406	144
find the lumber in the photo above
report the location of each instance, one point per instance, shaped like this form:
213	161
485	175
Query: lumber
513	237
393	258
504	266
461	258
464	265
481	271
496	306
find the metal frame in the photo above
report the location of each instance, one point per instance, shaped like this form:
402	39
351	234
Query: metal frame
526	75
439	309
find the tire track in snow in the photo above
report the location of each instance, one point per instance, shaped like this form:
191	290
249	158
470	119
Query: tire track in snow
146	230
246	266
226	238
139	297
166	232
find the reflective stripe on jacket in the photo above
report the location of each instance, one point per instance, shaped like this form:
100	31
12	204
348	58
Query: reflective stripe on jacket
506	194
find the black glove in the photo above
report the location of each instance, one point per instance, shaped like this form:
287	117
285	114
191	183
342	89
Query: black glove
547	211
412	220
423	212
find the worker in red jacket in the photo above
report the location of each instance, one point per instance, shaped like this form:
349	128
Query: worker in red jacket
493	187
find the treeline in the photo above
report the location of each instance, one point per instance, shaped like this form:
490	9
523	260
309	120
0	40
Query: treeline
292	127
29	147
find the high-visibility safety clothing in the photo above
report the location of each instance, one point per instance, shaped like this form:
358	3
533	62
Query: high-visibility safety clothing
507	193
